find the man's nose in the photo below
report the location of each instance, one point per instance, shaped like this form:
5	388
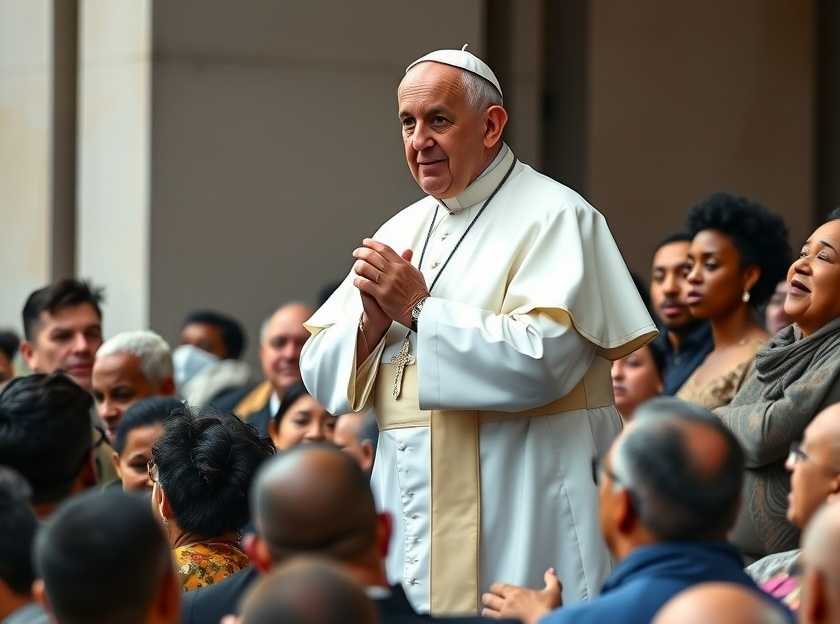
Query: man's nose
671	284
421	138
107	409
81	343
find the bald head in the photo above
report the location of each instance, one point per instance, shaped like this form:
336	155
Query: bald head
823	436
721	603
307	592
821	542
281	340
684	467
316	500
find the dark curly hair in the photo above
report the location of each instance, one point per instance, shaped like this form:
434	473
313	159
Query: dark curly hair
760	236
206	462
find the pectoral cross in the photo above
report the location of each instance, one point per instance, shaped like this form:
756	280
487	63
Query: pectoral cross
401	360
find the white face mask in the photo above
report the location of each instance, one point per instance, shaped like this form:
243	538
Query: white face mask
188	361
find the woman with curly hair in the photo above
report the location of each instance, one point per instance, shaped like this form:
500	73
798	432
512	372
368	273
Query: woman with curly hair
202	467
739	252
794	378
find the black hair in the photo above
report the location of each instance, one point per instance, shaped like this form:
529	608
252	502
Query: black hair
45	432
102	557
643	290
17	532
292	394
9	343
65	293
677	237
674	497
233	335
206	461
760	236
834	215
145	413
657	352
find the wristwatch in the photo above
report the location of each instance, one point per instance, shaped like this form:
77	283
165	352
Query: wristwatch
415	313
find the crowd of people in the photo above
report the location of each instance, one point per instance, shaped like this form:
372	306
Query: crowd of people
145	483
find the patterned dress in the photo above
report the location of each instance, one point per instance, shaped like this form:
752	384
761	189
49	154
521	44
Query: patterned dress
205	563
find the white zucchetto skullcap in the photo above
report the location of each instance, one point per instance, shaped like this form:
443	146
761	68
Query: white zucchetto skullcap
463	60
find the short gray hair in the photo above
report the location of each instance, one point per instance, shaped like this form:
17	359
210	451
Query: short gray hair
152	351
675	498
481	94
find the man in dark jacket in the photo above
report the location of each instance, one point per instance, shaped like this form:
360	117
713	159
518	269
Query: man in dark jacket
670	488
313	500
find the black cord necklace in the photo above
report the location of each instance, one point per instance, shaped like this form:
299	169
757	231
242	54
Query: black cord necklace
404	358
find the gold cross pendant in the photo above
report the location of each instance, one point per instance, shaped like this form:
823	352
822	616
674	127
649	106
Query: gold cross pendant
401	360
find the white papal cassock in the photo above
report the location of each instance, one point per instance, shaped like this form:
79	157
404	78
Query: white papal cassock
485	460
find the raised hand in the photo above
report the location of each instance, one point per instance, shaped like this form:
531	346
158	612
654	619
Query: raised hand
528	605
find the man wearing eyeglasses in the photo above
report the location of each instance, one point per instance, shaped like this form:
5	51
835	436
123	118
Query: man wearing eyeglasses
669	490
45	436
814	464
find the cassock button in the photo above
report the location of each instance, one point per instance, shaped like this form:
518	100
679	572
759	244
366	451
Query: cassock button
413	581
444	236
401	446
435	264
414	516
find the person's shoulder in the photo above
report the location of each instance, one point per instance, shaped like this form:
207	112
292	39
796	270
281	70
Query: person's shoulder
548	199
410	214
633	603
211	604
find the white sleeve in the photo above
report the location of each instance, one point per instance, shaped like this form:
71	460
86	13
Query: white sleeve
469	358
328	367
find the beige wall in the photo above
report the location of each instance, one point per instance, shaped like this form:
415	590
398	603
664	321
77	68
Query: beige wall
113	156
687	98
275	144
26	72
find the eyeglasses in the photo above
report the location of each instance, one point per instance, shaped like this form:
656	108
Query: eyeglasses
599	467
152	471
798	456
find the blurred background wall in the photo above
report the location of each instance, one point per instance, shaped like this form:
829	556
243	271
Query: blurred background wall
230	155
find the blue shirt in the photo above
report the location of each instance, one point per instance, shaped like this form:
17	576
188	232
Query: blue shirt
650	576
694	347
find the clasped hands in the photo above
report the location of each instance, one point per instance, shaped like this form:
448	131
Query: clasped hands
389	284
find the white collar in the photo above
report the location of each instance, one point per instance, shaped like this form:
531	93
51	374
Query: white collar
481	188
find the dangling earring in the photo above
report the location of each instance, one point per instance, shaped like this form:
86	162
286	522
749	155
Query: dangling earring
746	296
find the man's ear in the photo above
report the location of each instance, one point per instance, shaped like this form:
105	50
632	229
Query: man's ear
115	461
384	530
258	552
497	118
39	593
626	518
27	352
167	387
367	455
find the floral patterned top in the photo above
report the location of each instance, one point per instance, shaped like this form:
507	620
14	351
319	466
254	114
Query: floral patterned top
204	563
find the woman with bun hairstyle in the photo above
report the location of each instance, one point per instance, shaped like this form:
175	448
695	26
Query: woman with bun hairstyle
202	467
739	252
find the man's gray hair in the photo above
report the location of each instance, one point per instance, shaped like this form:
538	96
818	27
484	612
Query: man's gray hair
152	351
481	94
675	497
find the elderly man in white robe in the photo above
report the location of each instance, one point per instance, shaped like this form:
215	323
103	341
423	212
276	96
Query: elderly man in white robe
479	323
